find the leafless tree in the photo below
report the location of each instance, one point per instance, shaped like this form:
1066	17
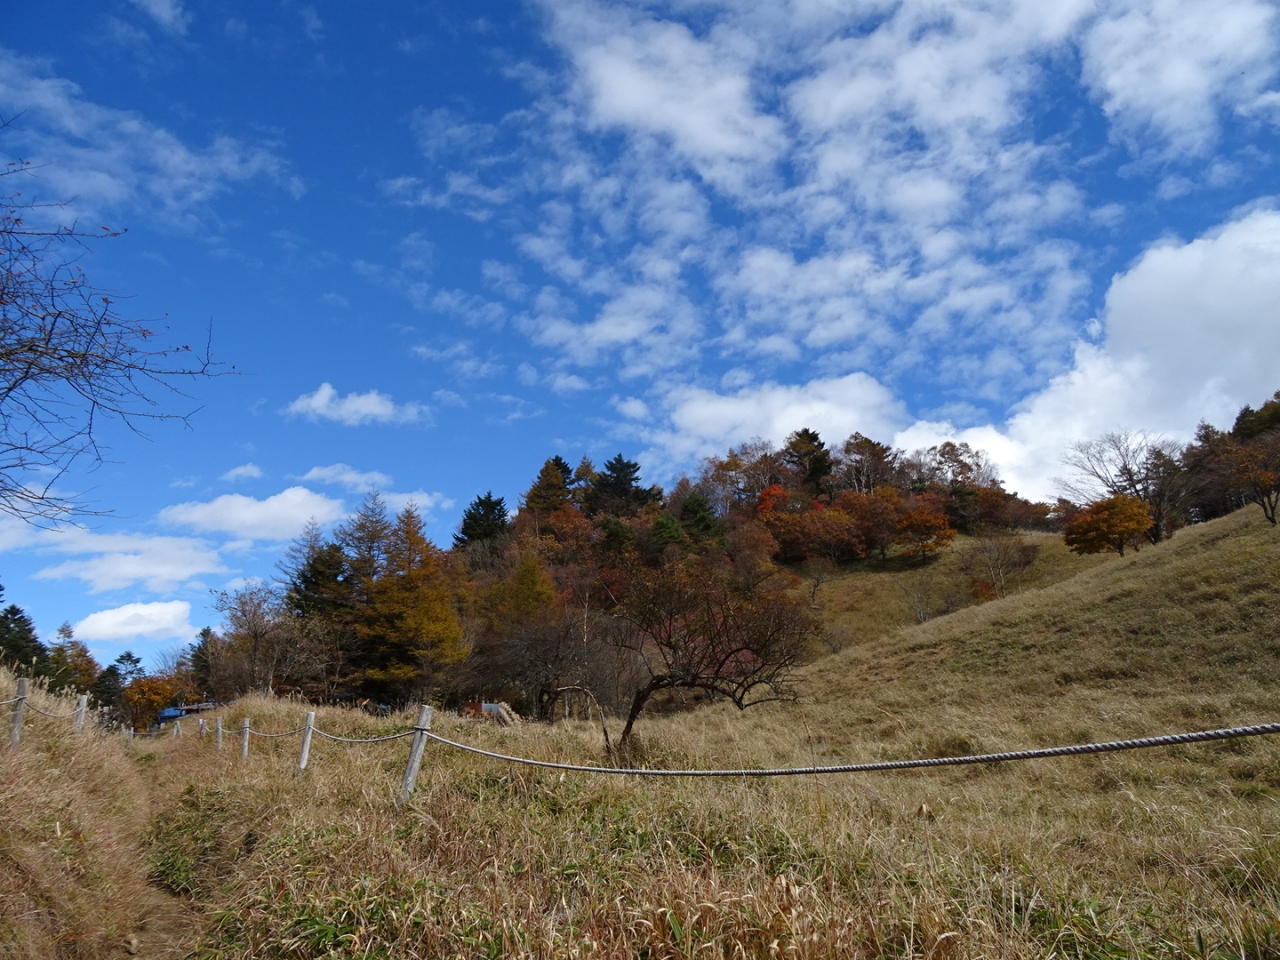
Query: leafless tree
68	360
693	628
1133	463
998	557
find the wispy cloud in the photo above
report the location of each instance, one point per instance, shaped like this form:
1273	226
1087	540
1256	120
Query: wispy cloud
110	160
339	474
168	13
247	471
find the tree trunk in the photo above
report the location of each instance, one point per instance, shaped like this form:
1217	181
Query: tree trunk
637	707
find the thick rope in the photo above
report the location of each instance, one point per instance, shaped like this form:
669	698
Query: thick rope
329	736
271	736
1257	730
52	716
5	703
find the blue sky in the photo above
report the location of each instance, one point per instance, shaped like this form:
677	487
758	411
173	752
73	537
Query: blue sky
441	242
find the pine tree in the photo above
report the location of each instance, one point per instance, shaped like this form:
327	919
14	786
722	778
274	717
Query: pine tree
20	648
617	491
484	519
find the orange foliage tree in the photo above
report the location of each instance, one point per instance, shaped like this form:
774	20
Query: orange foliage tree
1111	524
923	527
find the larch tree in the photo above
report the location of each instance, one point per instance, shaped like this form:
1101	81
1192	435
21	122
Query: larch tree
415	627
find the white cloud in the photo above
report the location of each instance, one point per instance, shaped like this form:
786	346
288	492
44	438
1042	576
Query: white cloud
703	422
168	13
248	471
352	479
1167	66
355	408
109	160
656	77
143	621
116	561
1190	334
424	501
276	518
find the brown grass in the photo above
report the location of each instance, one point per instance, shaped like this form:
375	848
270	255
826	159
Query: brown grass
1163	853
73	813
1172	852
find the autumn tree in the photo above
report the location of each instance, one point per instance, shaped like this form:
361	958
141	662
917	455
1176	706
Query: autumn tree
923	528
1113	523
862	465
550	491
997	558
1134	464
71	666
145	697
694	626
413	629
1255	471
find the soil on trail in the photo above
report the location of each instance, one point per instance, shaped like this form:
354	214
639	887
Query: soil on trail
168	929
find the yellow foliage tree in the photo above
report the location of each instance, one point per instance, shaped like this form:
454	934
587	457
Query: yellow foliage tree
416	625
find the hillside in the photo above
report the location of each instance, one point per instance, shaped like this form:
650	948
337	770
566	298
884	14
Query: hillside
1163	853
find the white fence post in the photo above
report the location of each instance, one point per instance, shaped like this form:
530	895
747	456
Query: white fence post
201	727
306	742
415	755
177	728
82	707
244	739
217	734
19	707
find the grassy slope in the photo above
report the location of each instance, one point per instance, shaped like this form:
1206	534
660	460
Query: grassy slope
1171	852
73	871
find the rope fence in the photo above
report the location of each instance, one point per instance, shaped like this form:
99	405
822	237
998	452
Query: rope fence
421	733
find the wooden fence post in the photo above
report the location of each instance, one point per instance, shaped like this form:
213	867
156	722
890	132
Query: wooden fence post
244	739
415	755
19	707
306	742
82	707
217	734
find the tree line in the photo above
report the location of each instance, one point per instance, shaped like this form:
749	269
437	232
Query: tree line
627	595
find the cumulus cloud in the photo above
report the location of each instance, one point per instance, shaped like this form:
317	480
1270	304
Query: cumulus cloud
248	471
275	518
703	422
170	620
1168	66
1189	334
355	408
342	475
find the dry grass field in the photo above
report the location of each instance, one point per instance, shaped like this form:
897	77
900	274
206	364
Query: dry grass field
1171	852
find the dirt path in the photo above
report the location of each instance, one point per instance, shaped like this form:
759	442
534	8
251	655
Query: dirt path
168	929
